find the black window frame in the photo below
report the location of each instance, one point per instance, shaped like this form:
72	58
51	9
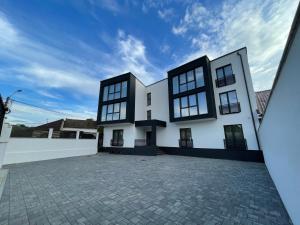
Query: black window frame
227	80
118	142
149	99
206	85
243	144
186	142
229	104
148	114
114	92
189	105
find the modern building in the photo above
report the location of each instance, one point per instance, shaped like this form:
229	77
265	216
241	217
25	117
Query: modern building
202	105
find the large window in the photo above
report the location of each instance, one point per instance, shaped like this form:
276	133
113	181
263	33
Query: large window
225	76
190	105
234	137
117	138
188	81
229	103
115	91
115	111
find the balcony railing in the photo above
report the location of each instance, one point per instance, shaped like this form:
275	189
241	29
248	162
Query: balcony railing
231	108
118	142
140	142
235	145
227	80
186	143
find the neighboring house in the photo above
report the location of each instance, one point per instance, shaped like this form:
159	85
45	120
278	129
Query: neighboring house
202	105
69	126
261	101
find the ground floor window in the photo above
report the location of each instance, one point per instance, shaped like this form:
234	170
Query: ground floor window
186	138
117	138
234	137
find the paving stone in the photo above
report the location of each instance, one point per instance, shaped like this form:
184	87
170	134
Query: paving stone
119	189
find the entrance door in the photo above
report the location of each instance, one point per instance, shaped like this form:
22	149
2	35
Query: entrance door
148	137
234	137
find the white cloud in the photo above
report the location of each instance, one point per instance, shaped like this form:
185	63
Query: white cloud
165	48
260	26
166	14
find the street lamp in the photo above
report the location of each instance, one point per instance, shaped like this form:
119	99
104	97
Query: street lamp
7	100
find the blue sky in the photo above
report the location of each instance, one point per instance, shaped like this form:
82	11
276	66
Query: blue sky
57	51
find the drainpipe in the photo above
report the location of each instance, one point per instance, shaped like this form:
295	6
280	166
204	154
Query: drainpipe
250	106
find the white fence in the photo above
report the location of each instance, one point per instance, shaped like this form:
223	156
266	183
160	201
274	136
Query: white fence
18	150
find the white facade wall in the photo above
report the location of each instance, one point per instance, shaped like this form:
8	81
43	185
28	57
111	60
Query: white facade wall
280	135
4	138
206	133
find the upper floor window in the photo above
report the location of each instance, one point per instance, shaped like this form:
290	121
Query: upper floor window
225	76
190	105
188	81
148	99
115	91
229	103
115	111
148	114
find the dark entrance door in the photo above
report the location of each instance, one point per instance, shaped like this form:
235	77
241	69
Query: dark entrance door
148	137
234	137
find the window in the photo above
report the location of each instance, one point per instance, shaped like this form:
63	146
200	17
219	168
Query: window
186	138
229	103
148	114
188	81
190	105
225	76
115	111
234	137
117	138
148	99
115	91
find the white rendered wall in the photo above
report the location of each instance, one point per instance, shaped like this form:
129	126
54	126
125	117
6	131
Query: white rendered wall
280	135
20	150
128	134
4	138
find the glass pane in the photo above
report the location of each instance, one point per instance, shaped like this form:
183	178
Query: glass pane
193	111
190	76
228	70
199	77
109	117
116	116
124	89
182	78
183	134
105	93
117	95
191	85
117	107
192	99
176	108
103	115
185	112
220	74
183	87
202	103
110	108
115	135
112	88
123	111
232	97
118	87
188	133
111	96
175	85
223	99
184	102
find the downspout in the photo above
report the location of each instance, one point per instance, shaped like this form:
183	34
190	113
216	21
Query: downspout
247	90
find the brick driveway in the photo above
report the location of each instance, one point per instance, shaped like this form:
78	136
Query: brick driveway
118	189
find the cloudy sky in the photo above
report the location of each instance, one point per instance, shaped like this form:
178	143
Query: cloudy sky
57	51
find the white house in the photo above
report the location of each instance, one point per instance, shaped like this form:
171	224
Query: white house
202	107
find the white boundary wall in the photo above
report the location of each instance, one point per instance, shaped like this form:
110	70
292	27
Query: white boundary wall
20	150
4	138
279	132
